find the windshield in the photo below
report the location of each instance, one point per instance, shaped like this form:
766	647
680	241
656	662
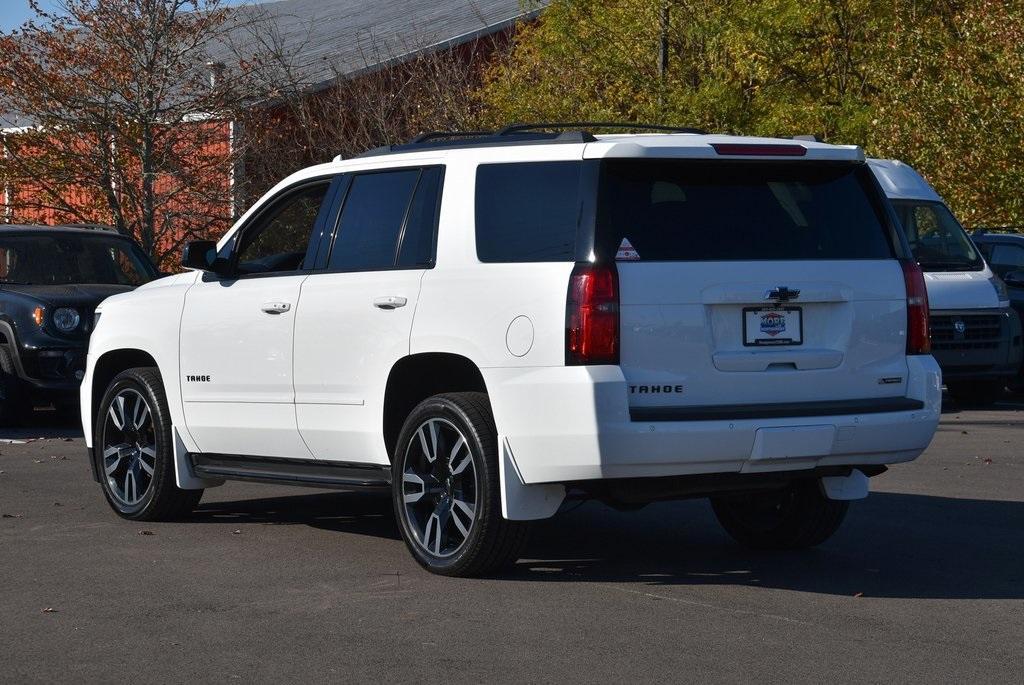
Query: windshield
724	211
66	258
936	238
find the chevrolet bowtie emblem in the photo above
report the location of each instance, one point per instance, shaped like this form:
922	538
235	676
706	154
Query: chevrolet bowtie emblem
781	294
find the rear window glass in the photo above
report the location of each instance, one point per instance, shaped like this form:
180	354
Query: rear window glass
527	212
722	211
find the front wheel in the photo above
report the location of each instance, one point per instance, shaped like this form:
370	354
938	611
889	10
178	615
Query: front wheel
796	517
134	450
446	490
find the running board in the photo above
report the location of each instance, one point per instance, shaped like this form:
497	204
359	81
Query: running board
308	472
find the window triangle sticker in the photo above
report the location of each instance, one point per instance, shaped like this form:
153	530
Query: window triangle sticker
626	252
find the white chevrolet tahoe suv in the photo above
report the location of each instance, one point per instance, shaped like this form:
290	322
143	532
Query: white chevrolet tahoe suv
486	325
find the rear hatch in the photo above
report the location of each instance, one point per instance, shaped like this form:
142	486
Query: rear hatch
753	282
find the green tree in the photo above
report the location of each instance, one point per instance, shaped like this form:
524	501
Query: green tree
935	83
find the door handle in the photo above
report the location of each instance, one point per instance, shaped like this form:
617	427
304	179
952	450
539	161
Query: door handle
389	302
276	307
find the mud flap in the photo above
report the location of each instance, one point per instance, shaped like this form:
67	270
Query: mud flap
853	486
522	502
183	476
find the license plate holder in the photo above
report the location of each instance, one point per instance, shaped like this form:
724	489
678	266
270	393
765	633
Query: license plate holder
773	326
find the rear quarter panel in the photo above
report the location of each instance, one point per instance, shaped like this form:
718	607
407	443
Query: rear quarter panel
496	315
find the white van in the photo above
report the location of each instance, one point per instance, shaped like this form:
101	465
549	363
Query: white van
976	336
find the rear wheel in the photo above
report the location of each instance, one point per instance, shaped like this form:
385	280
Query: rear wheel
446	488
976	393
796	517
134	450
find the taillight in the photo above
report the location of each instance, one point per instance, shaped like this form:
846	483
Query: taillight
592	315
918	340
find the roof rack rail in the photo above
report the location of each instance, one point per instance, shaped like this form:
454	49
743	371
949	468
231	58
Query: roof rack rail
517	134
435	135
522	128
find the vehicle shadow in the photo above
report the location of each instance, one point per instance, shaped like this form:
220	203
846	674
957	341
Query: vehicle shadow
44	424
346	512
892	545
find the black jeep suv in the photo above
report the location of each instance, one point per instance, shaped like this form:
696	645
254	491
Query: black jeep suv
51	279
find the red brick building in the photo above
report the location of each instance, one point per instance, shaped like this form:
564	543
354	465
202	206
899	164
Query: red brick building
326	42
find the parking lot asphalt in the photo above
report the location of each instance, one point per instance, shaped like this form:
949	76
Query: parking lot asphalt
925	582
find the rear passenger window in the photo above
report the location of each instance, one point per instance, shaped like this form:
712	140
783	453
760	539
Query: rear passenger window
371	220
527	212
418	238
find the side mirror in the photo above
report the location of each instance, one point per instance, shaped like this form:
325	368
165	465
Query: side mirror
201	255
1014	279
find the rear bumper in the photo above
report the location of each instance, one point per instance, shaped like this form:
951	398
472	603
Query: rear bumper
564	424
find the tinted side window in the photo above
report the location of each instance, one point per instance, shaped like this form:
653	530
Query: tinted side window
371	220
1007	258
527	212
278	241
418	238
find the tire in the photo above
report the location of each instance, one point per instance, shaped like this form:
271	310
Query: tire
452	522
145	449
797	517
976	393
15	401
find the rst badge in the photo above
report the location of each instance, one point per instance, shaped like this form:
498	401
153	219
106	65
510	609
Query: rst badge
772	326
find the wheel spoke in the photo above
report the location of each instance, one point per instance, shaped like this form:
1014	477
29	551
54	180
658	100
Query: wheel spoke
432	534
117	412
458	510
115	451
148	468
424	445
130	486
141	413
409	478
461	465
149	451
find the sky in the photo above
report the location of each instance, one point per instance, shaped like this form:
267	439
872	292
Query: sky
15	12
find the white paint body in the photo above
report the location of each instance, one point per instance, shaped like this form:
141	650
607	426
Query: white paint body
309	382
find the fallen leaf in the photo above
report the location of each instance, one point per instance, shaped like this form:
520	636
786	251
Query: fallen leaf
12	516
858	594
146	532
987	460
49	610
236	532
38	461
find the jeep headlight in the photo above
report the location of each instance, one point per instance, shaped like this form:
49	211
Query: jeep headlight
66	319
1001	292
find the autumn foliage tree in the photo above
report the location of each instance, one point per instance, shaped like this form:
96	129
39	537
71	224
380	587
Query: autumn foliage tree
938	84
125	125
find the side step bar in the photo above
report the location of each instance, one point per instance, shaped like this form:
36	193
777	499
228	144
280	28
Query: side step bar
309	472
